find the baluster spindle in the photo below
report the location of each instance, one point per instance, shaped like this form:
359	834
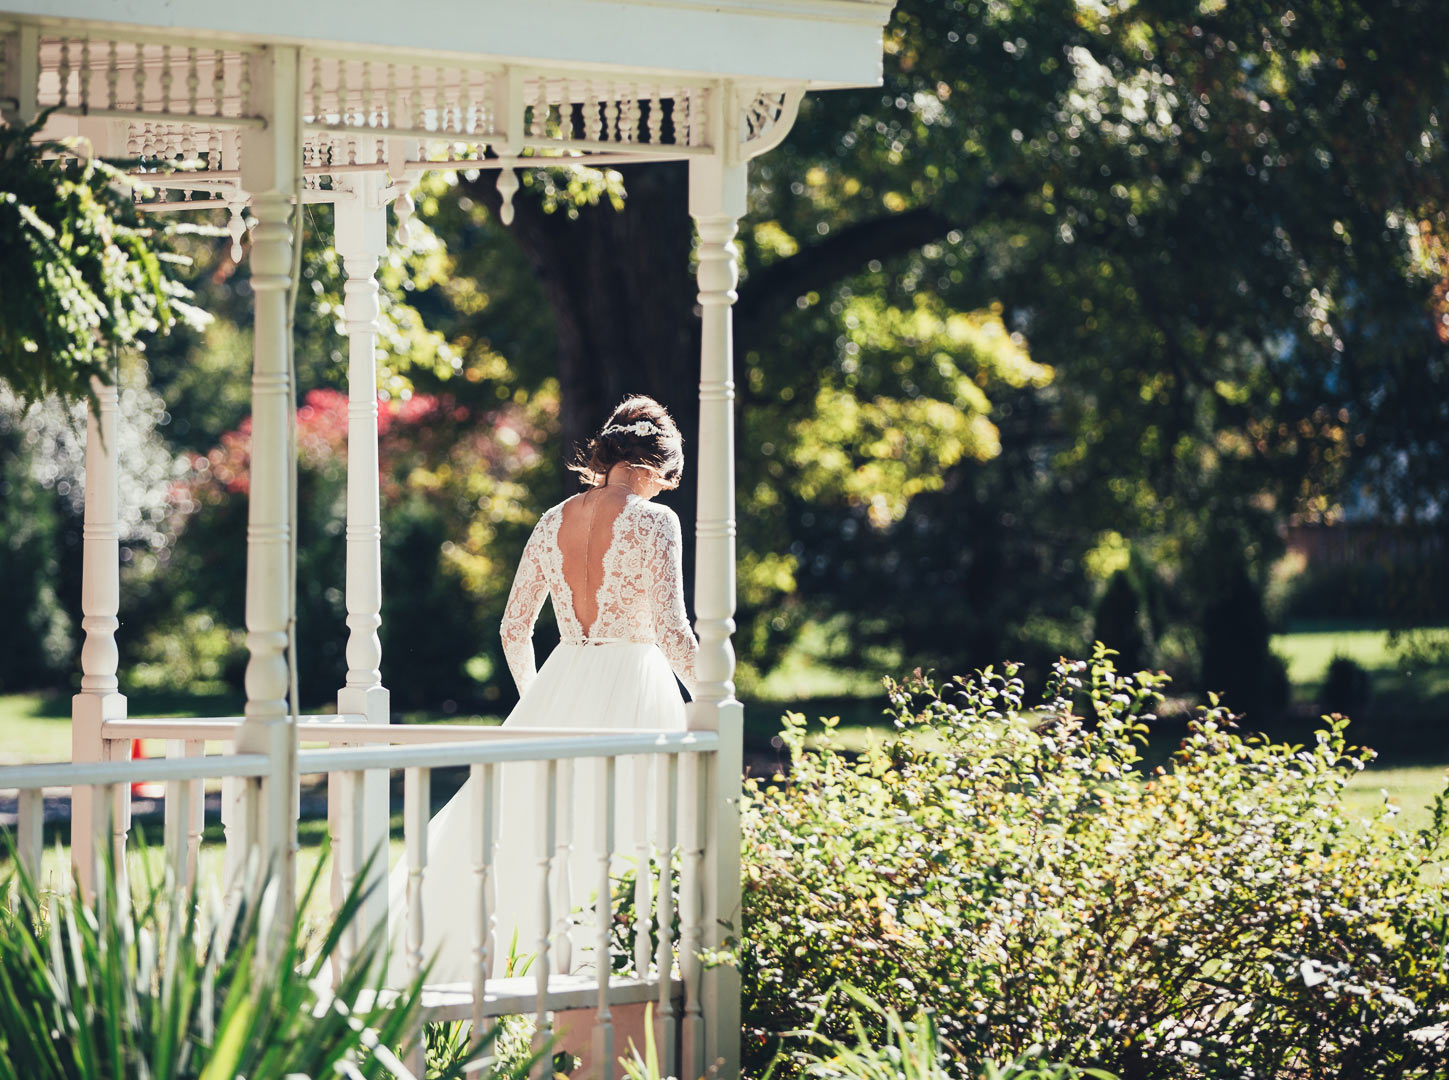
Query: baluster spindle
213	148
196	824
368	105
193	82
440	102
120	797
483	778
691	903
465	104
611	116
344	102
545	840
351	810
631	117
656	115
113	76
167	76
30	831
666	815
603	1048
420	112
177	819
63	72
392	113
244	92
643	906
593	116
317	117
562	871
85	75
218	83
417	804
138	77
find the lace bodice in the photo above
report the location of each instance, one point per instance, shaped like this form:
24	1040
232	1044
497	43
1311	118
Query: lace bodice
640	597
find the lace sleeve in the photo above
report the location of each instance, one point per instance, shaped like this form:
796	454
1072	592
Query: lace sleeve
671	622
525	601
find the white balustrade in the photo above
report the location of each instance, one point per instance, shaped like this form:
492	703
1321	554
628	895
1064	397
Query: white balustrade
643	880
562	871
484	778
603	1046
417	808
667	815
546	826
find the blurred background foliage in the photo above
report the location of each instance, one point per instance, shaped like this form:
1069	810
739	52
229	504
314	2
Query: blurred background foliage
1052	336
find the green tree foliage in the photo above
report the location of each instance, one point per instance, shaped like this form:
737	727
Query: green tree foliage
1005	865
82	277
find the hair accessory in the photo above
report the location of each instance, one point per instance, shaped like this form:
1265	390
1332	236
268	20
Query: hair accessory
639	427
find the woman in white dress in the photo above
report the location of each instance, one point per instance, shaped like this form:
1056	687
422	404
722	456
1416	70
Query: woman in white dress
610	560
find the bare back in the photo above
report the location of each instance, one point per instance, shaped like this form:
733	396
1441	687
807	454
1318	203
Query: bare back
585	533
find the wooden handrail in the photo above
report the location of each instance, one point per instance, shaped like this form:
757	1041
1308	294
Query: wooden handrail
340	728
71	774
358	759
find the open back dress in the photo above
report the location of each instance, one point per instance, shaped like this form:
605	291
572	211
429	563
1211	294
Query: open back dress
618	672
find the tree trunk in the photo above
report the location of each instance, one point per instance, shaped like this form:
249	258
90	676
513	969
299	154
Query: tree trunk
623	299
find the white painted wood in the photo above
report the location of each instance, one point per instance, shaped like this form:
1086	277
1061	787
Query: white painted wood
178	817
121	771
417	808
471	753
30	831
99	700
546	824
484	779
603	1045
825	42
361	240
351	853
269	167
667	815
717	195
643	882
692	828
196	823
562	872
360	226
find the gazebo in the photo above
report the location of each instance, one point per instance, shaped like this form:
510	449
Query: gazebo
255	109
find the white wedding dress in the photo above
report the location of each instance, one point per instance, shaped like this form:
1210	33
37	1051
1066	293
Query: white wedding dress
619	675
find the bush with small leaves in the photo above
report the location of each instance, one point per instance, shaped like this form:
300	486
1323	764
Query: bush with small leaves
1015	872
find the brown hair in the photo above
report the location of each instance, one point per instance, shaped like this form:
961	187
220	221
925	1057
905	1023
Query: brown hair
639	432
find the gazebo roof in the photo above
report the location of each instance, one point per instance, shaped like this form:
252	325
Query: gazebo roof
816	43
435	84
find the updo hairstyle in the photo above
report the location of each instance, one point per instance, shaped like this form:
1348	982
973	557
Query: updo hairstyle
640	432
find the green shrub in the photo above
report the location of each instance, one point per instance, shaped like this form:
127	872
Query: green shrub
1016	874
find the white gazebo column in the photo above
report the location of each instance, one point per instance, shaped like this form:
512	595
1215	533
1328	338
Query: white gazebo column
99	699
270	165
361	240
717	191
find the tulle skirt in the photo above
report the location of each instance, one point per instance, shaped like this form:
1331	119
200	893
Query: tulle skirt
615	686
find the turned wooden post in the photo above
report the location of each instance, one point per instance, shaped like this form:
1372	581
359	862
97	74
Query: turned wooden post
717	189
99	699
361	240
269	171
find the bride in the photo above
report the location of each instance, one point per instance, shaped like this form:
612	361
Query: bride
610	561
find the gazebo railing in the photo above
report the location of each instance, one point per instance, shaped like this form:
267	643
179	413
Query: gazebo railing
670	849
